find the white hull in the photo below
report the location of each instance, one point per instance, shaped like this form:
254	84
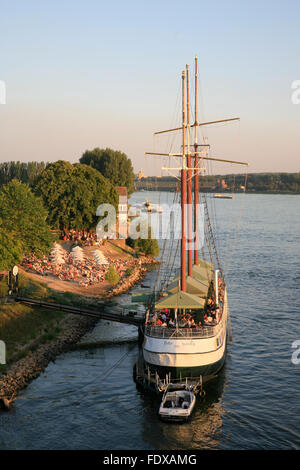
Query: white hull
188	352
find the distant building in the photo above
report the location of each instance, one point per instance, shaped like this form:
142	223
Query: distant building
122	221
140	175
221	185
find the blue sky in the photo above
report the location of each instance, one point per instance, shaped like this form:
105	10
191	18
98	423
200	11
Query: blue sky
81	74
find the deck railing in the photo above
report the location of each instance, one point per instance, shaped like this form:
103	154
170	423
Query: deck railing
180	333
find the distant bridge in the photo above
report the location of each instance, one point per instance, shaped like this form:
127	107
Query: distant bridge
111	313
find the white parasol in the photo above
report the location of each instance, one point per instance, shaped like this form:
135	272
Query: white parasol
100	258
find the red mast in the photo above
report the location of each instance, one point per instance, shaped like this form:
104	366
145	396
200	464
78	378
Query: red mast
189	181
183	193
196	177
186	178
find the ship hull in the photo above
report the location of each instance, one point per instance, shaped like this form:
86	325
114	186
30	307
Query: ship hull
188	356
183	372
198	359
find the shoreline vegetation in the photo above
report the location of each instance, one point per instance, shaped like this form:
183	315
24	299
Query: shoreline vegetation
253	183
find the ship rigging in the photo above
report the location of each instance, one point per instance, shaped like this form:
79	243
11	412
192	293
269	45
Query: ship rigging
187	321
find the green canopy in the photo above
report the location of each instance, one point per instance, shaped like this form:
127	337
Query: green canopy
181	300
205	264
202	273
193	286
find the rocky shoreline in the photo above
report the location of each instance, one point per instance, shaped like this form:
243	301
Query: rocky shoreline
136	276
30	367
73	328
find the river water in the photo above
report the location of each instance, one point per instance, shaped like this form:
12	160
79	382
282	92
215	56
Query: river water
88	400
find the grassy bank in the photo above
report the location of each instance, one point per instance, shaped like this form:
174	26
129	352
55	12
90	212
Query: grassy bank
23	328
35	336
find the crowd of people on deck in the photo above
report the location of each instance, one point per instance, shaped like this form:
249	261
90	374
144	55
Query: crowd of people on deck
210	316
84	272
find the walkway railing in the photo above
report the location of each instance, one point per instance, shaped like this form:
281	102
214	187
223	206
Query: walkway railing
180	333
104	313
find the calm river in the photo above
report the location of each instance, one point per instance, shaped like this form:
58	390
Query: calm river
81	402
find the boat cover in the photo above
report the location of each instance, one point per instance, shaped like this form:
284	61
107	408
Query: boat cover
193	286
180	300
205	264
202	273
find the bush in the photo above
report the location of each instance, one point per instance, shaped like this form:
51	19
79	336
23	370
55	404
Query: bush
112	275
130	242
148	246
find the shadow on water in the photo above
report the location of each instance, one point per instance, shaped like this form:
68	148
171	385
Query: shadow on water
203	429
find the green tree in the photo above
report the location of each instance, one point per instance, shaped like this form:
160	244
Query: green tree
112	164
23	218
112	275
11	251
72	194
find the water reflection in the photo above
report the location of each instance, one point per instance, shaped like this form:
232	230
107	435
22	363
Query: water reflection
201	432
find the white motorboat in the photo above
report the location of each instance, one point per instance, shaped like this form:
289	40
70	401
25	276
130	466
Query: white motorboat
177	404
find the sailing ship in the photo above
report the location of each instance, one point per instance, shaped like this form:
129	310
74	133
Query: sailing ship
187	322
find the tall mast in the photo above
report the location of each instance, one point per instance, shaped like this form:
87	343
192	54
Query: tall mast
183	193
196	177
185	168
189	178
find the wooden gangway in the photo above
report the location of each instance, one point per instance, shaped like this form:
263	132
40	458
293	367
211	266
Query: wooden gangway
107	312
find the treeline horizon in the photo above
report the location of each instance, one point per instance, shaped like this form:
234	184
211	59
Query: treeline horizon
114	165
265	181
26	172
29	172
